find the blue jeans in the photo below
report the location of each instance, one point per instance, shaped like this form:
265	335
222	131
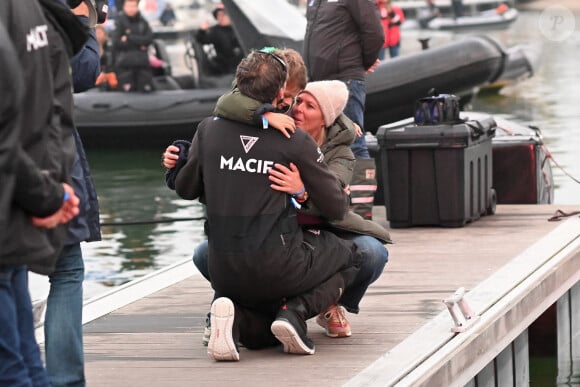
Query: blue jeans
382	53
355	109
20	362
200	259
374	258
63	330
394	51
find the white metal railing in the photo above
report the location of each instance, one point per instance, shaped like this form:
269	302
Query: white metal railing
506	303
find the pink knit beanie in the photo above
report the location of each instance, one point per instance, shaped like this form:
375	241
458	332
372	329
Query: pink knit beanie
331	97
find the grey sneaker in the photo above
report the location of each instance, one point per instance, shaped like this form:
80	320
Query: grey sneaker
206	331
222	346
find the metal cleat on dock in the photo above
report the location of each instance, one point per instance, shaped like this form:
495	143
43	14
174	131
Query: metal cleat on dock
461	313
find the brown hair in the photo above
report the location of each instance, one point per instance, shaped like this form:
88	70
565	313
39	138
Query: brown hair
297	74
261	75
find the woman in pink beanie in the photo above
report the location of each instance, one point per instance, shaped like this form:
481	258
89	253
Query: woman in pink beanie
318	111
318	106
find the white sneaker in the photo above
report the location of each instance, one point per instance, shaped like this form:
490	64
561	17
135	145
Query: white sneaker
221	346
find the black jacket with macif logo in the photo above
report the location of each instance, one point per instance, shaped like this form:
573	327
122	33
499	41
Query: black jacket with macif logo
47	147
257	250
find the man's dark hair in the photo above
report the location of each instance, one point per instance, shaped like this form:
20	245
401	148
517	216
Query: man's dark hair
260	75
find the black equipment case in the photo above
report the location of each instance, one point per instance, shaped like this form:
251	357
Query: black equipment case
437	175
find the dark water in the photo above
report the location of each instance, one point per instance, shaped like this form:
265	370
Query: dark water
131	186
549	99
132	189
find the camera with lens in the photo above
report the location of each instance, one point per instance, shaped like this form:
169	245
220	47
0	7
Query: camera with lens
98	9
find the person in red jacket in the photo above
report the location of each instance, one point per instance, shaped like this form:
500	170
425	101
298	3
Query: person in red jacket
392	16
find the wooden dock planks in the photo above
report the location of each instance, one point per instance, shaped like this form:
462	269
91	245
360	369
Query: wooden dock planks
156	341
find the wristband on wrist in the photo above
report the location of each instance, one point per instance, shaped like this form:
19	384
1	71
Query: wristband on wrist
294	195
264	122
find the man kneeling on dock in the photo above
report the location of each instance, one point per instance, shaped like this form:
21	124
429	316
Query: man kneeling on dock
271	275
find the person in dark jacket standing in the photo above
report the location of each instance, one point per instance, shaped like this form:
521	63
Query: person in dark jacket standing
343	39
17	367
228	52
131	39
270	274
39	198
63	320
45	161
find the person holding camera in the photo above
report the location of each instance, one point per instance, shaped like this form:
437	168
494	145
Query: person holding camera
63	320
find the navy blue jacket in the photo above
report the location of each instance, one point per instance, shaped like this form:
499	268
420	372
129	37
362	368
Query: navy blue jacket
85	69
85	227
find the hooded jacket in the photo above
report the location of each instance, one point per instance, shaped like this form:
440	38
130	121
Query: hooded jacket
343	38
12	86
340	159
259	253
337	155
47	144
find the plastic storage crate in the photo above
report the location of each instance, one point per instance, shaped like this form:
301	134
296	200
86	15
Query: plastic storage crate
437	175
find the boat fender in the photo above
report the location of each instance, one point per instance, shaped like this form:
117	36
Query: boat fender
501	9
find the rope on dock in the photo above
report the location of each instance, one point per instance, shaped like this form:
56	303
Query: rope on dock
151	221
551	157
559	215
